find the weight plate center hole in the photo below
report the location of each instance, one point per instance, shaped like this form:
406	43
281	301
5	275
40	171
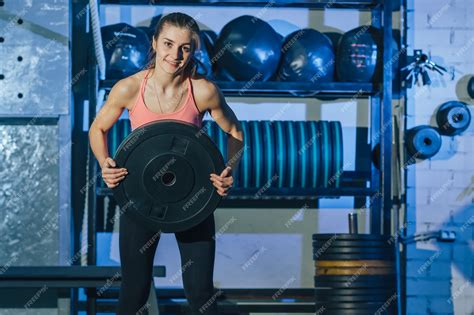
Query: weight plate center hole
168	179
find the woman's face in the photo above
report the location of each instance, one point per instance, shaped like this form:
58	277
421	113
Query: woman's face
173	48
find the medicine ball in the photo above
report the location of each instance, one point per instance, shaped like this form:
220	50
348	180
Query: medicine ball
204	53
359	55
308	55
247	49
126	50
149	32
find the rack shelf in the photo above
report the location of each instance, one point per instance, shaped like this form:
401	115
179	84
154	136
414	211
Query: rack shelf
315	4
287	89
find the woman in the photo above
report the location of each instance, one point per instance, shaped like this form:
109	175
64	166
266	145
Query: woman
168	89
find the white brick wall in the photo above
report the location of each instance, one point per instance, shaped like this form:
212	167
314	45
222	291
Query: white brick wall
438	195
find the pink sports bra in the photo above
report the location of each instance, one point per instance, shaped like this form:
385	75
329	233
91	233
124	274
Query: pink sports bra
140	114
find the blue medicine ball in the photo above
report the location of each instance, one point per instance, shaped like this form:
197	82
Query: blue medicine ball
247	49
308	55
126	50
359	55
205	53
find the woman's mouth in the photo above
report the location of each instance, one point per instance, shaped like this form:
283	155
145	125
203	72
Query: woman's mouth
173	64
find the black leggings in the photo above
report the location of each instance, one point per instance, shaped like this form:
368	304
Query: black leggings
137	250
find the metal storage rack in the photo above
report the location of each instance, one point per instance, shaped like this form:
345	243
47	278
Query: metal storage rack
375	183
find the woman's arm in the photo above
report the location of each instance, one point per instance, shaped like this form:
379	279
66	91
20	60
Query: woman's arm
120	95
228	122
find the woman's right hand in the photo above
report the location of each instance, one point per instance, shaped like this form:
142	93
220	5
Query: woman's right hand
112	176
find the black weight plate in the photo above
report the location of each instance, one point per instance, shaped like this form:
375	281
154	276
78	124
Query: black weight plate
362	309
353	311
350	237
291	147
470	87
389	286
362	278
314	151
279	132
245	162
337	153
257	153
303	154
453	118
167	188
350	250
324	291
359	256
337	243
423	142
355	305
326	152
333	298
268	151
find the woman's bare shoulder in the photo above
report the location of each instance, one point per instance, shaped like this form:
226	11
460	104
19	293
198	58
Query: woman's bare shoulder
128	88
204	90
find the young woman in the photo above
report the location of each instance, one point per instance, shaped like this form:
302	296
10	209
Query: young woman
168	89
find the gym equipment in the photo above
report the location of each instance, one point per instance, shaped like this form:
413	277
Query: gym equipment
326	152
257	156
284	154
423	142
308	55
337	153
167	188
204	53
453	118
245	162
148	31
315	155
354	273
419	66
359	58
125	48
470	87
291	166
247	48
280	153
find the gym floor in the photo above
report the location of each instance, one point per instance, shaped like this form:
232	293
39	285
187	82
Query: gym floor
347	124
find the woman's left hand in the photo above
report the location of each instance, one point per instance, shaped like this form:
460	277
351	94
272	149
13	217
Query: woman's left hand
223	182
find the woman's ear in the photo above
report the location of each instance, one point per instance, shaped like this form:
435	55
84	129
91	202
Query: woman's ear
153	43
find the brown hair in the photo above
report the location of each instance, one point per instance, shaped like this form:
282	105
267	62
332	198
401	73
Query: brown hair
179	20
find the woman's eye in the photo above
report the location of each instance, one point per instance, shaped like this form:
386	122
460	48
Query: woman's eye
186	49
168	44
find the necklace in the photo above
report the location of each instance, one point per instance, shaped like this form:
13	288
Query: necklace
159	103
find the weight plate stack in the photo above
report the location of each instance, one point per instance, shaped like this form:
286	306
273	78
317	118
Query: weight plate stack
291	147
354	274
268	151
303	154
314	148
245	162
326	152
257	156
279	131
337	153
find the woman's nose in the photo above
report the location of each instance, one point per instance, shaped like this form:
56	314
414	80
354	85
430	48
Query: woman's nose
177	54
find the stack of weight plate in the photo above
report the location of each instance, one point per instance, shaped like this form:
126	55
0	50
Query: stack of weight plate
354	274
281	154
286	154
